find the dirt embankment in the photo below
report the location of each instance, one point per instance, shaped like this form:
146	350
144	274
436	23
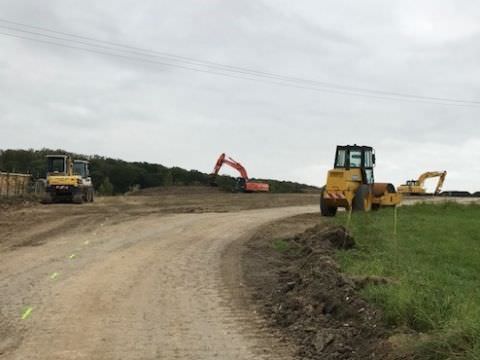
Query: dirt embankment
300	289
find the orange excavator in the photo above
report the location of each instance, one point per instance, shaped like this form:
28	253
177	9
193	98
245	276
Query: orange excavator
243	182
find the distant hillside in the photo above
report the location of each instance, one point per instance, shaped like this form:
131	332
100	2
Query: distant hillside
118	176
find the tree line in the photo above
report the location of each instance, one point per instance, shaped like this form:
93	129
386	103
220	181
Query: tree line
115	176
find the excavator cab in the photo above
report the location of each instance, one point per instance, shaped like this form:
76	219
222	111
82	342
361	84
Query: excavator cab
58	165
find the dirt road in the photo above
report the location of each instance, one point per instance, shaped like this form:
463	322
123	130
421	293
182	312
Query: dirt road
154	286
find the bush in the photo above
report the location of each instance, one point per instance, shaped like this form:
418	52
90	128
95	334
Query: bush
106	188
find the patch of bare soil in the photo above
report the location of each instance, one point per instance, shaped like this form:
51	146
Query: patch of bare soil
297	285
26	222
176	190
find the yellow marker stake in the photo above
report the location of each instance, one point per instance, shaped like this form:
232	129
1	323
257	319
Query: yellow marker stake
73	256
395	237
349	217
54	275
27	313
394	220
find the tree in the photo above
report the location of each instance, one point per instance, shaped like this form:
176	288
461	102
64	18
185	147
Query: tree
106	188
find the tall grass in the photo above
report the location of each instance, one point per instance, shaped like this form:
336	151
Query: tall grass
434	265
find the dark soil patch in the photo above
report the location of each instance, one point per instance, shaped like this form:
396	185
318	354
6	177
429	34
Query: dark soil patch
297	285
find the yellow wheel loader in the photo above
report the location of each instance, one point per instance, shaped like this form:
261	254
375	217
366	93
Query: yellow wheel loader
350	184
416	187
68	180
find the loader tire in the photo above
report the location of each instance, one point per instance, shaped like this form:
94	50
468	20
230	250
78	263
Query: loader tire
77	198
89	195
363	199
47	198
326	210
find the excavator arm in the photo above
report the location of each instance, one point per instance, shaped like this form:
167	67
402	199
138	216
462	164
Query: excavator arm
431	174
441	180
230	162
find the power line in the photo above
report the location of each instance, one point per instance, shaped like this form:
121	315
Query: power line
220	69
194	61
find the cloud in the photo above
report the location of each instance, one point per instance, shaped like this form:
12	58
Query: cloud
90	103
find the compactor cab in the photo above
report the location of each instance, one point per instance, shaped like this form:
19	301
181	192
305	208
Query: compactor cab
67	180
351	183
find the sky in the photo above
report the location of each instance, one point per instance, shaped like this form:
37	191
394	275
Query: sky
141	108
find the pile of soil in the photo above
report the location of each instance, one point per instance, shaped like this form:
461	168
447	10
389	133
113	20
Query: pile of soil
299	288
176	190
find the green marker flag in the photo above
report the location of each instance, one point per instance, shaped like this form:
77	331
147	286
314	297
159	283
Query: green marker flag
27	313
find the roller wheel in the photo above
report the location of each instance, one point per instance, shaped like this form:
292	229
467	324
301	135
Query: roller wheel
363	199
326	210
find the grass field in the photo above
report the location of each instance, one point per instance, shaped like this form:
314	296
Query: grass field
434	266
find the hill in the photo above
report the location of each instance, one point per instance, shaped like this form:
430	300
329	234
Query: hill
116	176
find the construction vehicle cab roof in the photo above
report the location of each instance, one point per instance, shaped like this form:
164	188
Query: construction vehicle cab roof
354	156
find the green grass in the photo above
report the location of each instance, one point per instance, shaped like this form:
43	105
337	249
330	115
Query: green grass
280	245
434	265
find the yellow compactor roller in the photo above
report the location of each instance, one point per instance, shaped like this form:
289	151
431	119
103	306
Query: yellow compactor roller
67	180
350	184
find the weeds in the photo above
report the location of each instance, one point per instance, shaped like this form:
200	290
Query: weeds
435	260
280	245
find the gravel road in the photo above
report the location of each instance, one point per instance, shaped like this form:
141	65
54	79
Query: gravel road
147	287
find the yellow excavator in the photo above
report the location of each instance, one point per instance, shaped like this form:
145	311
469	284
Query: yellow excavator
351	185
416	187
67	180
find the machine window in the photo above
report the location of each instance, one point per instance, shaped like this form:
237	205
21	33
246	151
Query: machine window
80	169
369	175
340	158
368	159
355	158
56	165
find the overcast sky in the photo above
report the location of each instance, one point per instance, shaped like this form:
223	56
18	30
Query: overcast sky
90	103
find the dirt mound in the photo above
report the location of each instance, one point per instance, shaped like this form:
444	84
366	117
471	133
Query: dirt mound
176	190
299	287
